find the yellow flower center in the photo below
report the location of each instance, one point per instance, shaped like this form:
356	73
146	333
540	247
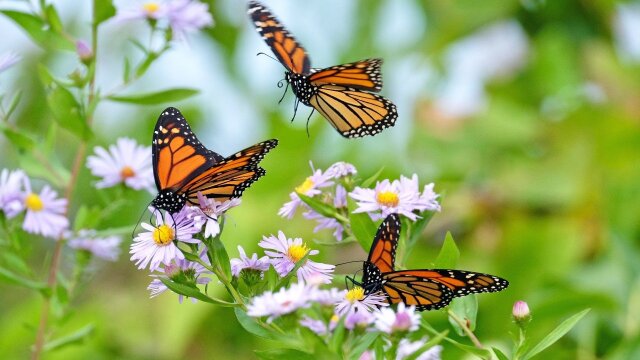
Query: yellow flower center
163	235
151	7
127	172
305	186
355	294
33	202
297	252
334	318
387	198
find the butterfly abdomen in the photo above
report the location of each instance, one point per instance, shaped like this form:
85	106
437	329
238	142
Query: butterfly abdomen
302	87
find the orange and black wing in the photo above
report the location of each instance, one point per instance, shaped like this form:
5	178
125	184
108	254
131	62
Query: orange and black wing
178	156
288	51
383	248
230	177
430	289
362	75
352	112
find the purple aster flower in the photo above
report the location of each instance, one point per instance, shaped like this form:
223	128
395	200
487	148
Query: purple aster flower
280	303
156	245
187	16
401	320
12	192
341	169
252	263
358	319
211	209
45	213
325	223
408	348
7	60
125	162
327	297
310	187
401	197
355	301
340	199
285	253
318	326
183	269
107	248
149	10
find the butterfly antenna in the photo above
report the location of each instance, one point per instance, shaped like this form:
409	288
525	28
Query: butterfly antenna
280	85
140	219
267	55
309	119
349	262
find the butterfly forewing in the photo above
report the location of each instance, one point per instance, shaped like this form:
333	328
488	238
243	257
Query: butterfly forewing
363	75
352	112
383	248
285	47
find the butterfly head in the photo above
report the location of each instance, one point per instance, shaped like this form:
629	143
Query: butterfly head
169	201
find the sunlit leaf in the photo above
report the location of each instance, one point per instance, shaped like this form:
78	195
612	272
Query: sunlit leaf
372	179
104	10
54	19
38	30
499	354
77	337
319	206
250	324
192	292
362	226
158	97
284	354
466	309
555	334
448	255
363	344
220	256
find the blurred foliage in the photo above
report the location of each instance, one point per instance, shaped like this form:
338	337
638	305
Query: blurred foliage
539	188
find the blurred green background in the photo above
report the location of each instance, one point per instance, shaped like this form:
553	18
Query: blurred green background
526	115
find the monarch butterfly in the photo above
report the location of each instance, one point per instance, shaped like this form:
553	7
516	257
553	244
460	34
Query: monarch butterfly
342	93
427	289
183	167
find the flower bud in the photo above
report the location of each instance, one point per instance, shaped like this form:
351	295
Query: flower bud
84	51
521	313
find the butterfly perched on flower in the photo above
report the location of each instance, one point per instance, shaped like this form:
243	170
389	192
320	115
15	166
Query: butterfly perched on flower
342	93
183	167
426	289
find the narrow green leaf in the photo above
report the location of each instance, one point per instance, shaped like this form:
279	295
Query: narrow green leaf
54	19
144	66
193	292
371	180
13	105
556	334
10	277
363	228
449	254
66	111
337	338
465	308
104	10
320	207
250	324
76	337
220	256
364	343
482	353
159	97
126	72
38	30
19	139
284	354
499	354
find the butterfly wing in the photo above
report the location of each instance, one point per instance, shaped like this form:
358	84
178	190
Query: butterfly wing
382	254
178	156
285	47
362	75
430	289
353	113
230	177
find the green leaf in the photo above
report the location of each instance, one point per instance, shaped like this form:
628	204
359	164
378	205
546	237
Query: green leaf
164	96
38	30
449	254
126	72
284	354
250	324
193	292
368	182
465	308
220	257
320	207
103	11
10	277
499	354
76	337
144	66
19	139
482	353
363	228
54	19
87	217
556	334
337	338
13	105
364	342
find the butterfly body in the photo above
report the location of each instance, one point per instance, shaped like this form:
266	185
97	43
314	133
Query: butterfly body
184	168
426	289
341	93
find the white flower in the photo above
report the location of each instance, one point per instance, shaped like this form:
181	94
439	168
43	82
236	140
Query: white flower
280	303
211	210
125	162
45	213
341	169
400	197
285	253
107	248
355	301
310	187
327	297
187	16
360	319
253	263
404	319
407	348
150	10
156	246
12	192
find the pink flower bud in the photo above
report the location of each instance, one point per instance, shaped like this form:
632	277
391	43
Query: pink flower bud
521	312
84	51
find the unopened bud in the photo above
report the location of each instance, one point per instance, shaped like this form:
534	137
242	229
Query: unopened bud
84	51
521	313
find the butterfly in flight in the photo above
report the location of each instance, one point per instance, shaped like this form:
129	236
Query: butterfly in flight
426	289
183	167
342	93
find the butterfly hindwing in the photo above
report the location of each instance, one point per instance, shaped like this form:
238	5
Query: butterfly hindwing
363	75
284	46
352	112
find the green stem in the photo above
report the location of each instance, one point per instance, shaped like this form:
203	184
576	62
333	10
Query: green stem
465	328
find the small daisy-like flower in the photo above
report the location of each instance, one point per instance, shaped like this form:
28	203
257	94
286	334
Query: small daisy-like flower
285	253
327	297
408	348
45	213
341	169
7	60
12	192
125	162
181	270
212	210
400	197
187	16
149	10
249	263
310	187
358	319
403	319
280	303
355	301
107	248
325	223
318	326
156	246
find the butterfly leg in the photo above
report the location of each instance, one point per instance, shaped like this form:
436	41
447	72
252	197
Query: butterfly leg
309	119
285	90
295	109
